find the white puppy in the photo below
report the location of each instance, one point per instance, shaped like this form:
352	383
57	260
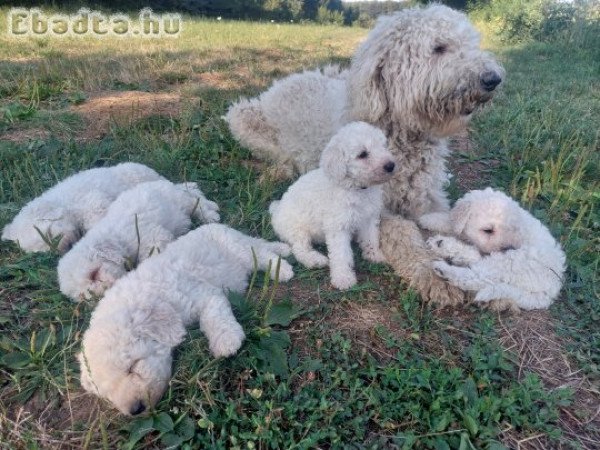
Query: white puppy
140	222
126	353
73	206
340	199
522	263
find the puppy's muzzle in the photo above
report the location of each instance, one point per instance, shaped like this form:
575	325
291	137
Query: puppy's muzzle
389	166
137	408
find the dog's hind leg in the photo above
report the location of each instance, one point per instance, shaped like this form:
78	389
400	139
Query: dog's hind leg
306	255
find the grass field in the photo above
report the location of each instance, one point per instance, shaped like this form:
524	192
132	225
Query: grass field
368	368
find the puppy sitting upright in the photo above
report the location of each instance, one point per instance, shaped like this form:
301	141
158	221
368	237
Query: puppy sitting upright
522	264
339	200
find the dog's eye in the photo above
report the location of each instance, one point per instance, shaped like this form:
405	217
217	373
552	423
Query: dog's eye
94	274
488	230
363	154
132	367
440	49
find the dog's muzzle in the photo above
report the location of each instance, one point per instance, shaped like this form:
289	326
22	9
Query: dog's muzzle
490	80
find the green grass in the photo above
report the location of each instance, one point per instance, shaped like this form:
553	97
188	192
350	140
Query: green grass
369	368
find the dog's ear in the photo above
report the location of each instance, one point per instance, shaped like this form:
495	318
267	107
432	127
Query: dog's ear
459	215
332	162
367	87
159	322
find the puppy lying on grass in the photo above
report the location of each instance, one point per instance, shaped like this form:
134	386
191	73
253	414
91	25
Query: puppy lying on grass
66	211
126	351
339	200
513	259
140	222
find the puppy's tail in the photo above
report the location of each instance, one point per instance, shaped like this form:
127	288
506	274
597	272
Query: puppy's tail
274	206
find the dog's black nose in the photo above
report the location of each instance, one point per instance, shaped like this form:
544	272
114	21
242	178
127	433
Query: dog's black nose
489	80
389	167
137	408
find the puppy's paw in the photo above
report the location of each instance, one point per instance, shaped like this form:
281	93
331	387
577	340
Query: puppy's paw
228	342
343	280
313	260
286	272
210	216
441	269
279	248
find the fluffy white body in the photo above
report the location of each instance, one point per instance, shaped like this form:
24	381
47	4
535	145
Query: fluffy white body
139	223
73	206
126	353
513	256
340	200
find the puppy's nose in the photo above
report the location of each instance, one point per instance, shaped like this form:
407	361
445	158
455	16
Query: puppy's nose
137	408
489	80
389	167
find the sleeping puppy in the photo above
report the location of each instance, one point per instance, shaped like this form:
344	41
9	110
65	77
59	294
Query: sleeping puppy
510	258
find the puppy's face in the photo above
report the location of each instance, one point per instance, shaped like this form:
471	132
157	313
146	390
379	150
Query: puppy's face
357	157
491	223
128	365
82	278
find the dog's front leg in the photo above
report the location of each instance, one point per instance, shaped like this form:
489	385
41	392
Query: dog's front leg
341	260
368	239
225	335
454	251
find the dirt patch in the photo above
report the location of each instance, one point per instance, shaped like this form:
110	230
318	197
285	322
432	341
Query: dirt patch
105	109
25	135
530	337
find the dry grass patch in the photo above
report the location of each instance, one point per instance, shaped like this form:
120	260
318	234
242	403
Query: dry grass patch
103	110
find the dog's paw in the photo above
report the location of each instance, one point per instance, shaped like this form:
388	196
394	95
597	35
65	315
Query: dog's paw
314	260
441	269
500	305
279	248
228	342
343	281
286	272
210	216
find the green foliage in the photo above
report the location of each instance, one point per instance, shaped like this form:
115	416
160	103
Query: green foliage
542	20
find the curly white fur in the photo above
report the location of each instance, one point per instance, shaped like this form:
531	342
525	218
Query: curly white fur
126	353
139	223
521	260
73	206
340	199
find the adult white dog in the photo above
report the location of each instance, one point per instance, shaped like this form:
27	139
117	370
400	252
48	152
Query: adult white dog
419	76
522	263
73	206
140	222
341	199
126	351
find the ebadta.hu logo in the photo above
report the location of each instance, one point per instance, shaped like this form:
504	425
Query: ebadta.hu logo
24	22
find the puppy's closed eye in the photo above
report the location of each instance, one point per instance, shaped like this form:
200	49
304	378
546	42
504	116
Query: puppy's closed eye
363	155
131	369
488	230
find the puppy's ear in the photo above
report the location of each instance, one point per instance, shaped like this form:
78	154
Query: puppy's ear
161	323
333	163
459	215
